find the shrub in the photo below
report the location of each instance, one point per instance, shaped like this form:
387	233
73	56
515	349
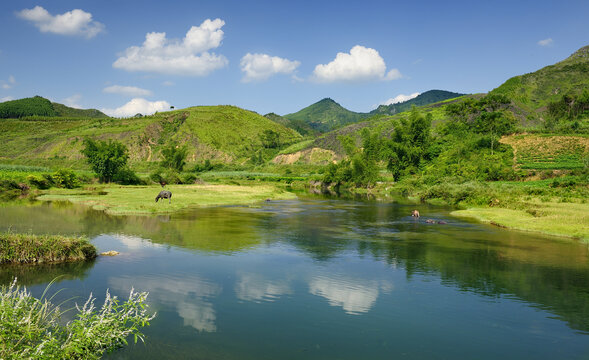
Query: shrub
65	178
126	176
105	158
42	182
31	327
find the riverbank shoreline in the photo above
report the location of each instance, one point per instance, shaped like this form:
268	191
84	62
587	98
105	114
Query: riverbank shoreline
554	220
140	200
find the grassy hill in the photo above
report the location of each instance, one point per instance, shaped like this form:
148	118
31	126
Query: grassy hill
326	115
534	91
300	126
426	98
219	133
39	106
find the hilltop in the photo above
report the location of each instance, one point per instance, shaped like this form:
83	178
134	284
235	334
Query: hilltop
533	92
225	134
326	115
39	106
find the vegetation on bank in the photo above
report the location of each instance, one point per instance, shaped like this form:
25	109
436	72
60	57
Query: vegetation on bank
29	248
31	328
120	200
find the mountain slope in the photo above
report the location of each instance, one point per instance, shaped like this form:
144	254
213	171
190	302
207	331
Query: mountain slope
39	106
533	91
220	133
326	115
298	125
426	98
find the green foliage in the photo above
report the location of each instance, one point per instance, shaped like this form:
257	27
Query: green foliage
270	139
105	158
569	114
43	181
126	176
65	178
28	248
27	107
205	166
360	168
174	156
409	144
31	327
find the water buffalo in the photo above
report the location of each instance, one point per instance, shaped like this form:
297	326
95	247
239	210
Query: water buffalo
164	194
415	213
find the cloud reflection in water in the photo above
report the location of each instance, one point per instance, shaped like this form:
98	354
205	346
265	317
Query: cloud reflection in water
188	295
355	296
256	288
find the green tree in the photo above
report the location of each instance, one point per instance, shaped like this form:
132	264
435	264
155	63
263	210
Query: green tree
409	144
174	156
270	139
105	158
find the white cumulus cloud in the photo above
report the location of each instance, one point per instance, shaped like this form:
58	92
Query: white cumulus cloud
360	64
546	42
10	83
6	98
131	91
73	101
189	56
259	67
400	98
75	22
138	106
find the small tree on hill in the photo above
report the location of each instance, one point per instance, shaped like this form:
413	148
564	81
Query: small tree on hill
174	156
105	158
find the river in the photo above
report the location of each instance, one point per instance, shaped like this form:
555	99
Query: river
318	278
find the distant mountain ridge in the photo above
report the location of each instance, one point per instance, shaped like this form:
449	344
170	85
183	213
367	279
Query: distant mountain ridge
327	115
39	106
426	98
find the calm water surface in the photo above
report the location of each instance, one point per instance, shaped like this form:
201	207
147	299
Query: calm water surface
325	279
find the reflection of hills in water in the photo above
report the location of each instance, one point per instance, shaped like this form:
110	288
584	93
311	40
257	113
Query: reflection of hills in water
551	273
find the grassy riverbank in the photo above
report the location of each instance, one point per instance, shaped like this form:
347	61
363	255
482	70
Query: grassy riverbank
28	248
555	206
120	200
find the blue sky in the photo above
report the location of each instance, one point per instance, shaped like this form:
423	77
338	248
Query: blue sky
272	56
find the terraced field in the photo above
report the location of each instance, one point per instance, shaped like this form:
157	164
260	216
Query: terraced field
541	152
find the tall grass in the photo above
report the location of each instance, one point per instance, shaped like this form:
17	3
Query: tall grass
29	248
30	327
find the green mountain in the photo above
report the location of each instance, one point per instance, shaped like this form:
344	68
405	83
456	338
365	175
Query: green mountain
428	97
534	91
39	106
220	133
326	115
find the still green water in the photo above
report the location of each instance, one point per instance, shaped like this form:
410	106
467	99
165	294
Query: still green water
325	279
